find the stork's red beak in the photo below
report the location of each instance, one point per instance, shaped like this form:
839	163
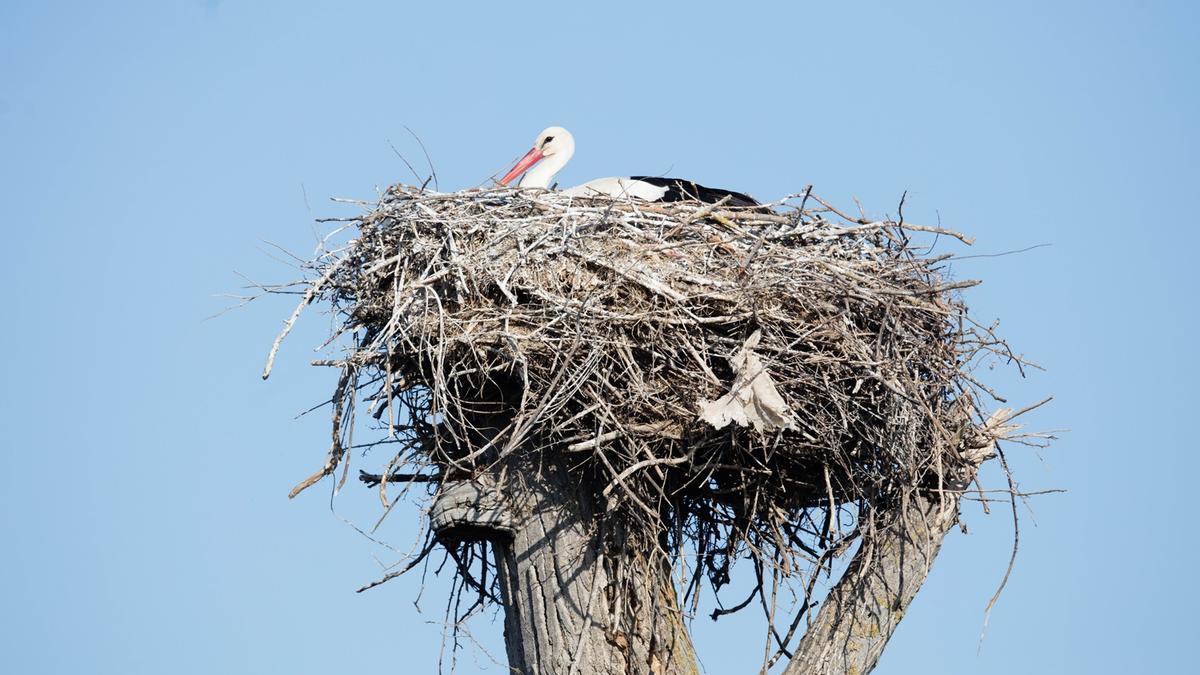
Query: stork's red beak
532	157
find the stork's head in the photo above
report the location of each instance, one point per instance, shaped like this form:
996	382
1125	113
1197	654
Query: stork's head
556	144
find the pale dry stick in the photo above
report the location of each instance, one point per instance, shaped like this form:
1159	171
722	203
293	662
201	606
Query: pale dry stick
337	450
672	461
969	241
701	213
593	443
650	284
330	466
908	226
626	492
287	326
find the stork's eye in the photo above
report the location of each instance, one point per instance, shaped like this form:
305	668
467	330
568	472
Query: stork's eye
548	139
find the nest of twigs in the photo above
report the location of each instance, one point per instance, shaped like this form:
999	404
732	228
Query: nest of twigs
730	381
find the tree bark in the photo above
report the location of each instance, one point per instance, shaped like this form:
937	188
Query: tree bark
575	604
862	610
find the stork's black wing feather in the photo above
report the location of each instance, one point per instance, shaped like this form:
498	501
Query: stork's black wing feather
679	190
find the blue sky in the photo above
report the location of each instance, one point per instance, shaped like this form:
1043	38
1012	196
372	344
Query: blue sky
148	150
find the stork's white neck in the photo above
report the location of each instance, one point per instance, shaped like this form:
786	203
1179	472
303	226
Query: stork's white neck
542	173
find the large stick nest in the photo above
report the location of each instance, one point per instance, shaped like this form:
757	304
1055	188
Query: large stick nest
728	380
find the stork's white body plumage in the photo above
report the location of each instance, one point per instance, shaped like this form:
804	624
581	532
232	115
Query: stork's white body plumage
555	146
618	187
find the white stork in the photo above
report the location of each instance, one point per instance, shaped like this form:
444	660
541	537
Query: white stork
554	148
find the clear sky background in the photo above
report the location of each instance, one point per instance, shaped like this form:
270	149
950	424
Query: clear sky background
149	149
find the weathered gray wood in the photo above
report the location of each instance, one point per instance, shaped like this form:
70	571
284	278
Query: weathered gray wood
465	506
571	608
860	614
574	606
862	611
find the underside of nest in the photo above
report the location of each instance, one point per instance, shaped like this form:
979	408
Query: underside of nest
725	383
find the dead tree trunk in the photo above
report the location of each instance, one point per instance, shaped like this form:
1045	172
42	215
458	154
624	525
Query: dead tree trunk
860	614
575	603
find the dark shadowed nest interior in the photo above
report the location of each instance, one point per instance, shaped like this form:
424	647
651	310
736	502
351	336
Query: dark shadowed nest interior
736	384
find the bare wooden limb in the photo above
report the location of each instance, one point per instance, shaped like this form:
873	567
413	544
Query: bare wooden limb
896	555
311	293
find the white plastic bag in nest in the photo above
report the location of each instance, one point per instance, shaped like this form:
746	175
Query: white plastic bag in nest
753	399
